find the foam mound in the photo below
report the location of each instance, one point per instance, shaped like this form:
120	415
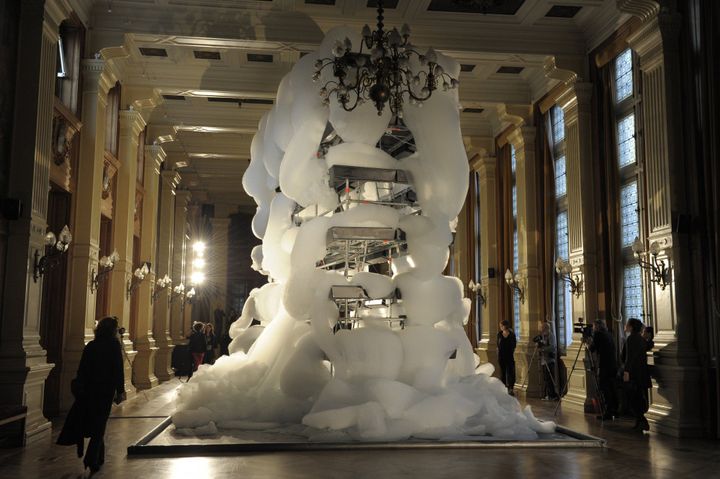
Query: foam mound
374	381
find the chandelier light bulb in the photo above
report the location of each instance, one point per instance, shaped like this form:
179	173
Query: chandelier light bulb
380	70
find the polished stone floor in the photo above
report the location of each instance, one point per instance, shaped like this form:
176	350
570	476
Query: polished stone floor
628	455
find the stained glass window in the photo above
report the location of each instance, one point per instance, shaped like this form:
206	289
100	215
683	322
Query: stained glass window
514	201
560	177
626	140
558	124
623	76
629	214
632	292
513	161
515	251
561	236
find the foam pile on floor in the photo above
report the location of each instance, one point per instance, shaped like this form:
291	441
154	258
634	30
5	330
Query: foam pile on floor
371	382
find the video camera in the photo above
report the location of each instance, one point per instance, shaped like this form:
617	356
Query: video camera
539	340
585	329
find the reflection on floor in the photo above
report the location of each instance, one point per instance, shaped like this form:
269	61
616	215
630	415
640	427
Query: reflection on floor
628	455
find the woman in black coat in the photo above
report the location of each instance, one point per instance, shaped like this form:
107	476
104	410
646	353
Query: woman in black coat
635	372
210	344
506	343
99	382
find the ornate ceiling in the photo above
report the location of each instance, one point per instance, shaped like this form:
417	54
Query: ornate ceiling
218	63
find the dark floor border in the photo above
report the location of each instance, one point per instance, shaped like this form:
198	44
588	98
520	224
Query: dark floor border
143	446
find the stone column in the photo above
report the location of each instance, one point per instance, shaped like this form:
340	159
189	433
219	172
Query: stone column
23	362
144	365
576	105
487	170
131	124
177	324
80	319
676	396
218	256
161	320
523	139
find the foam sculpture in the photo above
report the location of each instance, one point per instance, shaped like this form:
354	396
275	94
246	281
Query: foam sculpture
372	381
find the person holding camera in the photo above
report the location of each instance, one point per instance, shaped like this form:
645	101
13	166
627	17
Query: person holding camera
506	343
547	345
601	343
99	382
635	372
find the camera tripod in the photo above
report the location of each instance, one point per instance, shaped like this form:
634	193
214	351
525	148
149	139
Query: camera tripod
547	367
593	372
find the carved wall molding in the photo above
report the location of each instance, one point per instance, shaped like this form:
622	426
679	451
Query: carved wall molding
643	9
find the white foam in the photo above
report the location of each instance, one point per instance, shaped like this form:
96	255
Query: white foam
370	382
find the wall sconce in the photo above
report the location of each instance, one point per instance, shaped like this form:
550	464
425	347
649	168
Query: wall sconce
138	276
187	298
55	246
516	283
160	285
563	269
177	292
105	265
648	260
479	291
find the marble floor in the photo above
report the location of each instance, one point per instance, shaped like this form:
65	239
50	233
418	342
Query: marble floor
628	455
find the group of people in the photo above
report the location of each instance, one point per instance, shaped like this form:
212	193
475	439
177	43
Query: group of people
627	384
202	344
631	379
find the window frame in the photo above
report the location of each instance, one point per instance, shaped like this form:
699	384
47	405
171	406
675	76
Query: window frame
563	312
630	173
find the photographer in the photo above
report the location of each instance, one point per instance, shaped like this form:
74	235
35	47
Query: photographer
602	344
506	343
547	345
636	379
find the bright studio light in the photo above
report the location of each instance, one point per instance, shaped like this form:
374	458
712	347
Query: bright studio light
199	248
197	277
198	263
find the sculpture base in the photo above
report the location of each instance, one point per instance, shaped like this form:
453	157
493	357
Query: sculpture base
163	441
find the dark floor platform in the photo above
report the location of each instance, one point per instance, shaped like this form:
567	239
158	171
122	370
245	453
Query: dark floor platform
627	454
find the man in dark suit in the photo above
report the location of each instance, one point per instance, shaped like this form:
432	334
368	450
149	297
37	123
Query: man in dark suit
601	343
506	343
635	372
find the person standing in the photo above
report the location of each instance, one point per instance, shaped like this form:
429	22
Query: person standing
602	344
99	382
635	372
210	344
548	356
198	346
506	343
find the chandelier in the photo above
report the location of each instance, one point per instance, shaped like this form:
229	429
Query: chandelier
382	73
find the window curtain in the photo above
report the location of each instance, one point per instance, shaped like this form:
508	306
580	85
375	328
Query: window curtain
610	275
505	229
468	213
546	216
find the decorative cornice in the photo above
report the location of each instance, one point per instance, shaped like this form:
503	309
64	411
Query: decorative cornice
171	178
115	58
131	123
552	71
56	11
643	9
156	153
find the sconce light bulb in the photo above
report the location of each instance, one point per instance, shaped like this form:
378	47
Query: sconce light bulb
508	276
199	248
